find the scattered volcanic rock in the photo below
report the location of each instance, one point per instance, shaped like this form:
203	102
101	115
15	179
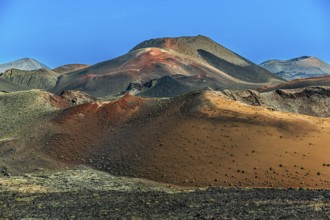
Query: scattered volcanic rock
198	139
151	60
301	67
23	64
68	68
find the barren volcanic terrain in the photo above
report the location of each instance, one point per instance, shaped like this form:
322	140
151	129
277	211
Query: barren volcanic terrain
199	139
178	126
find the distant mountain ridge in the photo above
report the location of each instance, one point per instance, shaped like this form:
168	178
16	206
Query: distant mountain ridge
23	64
297	68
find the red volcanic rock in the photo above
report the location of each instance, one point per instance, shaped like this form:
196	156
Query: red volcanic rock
156	58
198	137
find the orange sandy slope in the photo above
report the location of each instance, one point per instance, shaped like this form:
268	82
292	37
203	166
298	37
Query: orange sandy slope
199	139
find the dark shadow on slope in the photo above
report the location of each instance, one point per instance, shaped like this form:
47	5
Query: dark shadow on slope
166	86
249	73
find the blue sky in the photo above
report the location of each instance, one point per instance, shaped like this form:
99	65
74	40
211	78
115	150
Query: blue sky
83	31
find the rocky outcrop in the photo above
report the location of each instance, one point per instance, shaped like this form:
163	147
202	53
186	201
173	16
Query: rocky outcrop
314	101
76	97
